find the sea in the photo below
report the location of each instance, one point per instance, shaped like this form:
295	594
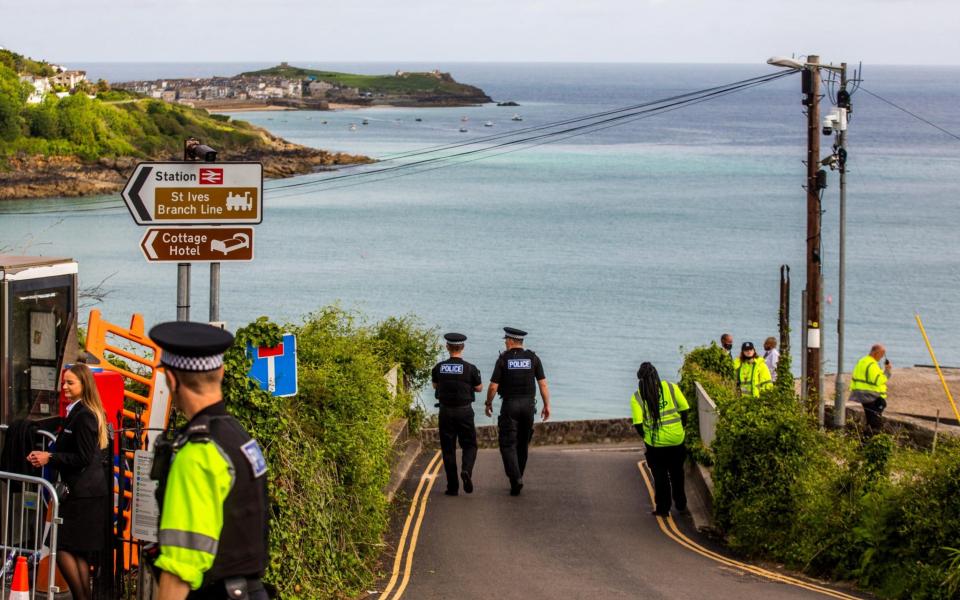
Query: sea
634	243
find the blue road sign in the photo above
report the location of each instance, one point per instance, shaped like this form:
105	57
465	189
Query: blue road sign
276	368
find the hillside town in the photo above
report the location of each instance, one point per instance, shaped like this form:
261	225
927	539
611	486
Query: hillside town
62	83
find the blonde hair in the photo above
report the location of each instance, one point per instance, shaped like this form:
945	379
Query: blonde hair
90	398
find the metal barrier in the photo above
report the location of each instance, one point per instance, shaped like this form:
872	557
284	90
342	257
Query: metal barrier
28	527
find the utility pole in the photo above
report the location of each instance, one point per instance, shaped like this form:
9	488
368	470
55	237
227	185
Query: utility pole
843	100
811	88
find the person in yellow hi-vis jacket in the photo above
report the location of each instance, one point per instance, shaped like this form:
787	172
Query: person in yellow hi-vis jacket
213	516
868	386
659	413
751	372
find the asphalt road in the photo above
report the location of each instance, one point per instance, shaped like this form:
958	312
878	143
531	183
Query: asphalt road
581	529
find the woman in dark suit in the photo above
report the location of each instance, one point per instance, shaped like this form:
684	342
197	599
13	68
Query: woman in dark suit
78	458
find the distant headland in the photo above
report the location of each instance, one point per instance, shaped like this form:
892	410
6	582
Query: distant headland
287	86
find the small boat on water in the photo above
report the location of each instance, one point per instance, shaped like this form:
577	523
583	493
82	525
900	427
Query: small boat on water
366	122
516	117
418	119
464	119
488	124
353	126
463	130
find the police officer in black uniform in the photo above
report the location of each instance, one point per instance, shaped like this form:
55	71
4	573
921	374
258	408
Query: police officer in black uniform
456	382
213	521
516	376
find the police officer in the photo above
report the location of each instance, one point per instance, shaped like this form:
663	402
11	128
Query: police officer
213	518
868	386
751	371
516	376
456	382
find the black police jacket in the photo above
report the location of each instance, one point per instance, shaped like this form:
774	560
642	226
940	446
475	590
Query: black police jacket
243	548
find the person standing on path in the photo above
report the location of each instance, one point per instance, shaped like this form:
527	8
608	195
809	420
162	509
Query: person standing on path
213	514
516	375
771	356
659	413
868	386
81	449
456	382
750	372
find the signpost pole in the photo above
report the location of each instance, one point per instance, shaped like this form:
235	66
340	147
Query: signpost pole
214	292
183	291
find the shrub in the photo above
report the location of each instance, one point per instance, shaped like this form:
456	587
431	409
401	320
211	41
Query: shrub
826	502
327	448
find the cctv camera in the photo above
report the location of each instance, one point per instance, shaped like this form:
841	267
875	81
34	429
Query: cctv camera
827	126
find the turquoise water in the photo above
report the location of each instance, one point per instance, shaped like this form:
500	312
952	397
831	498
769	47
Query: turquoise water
610	249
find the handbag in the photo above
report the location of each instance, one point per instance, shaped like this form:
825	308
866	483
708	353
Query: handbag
62	490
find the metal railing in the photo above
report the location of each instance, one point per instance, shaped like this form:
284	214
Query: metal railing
28	527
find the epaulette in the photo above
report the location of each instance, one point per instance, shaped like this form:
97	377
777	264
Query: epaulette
198	431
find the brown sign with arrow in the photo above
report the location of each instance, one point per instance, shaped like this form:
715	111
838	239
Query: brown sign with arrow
198	244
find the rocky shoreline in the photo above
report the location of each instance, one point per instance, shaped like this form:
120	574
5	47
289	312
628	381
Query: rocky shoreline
68	176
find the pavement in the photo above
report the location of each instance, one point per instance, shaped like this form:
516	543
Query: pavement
581	528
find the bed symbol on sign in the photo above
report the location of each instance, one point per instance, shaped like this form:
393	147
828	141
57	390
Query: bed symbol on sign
275	368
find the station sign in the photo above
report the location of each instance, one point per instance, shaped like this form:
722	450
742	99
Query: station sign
198	244
195	193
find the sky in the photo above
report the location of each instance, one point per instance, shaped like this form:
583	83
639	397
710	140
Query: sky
670	31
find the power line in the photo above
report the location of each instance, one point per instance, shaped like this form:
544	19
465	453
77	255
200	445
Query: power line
434	149
589	127
531	145
912	114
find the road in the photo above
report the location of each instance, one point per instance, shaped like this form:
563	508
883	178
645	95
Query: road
582	528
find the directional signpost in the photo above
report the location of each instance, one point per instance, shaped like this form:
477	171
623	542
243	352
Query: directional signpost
188	194
191	193
198	244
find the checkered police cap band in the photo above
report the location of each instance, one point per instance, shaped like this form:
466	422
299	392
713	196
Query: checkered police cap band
191	363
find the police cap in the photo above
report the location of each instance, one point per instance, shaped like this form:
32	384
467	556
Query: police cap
189	346
455	339
513	333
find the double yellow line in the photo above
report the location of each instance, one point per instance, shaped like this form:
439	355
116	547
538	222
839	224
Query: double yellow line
669	527
418	507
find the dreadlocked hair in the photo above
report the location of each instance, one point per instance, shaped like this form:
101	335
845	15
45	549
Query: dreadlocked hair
649	387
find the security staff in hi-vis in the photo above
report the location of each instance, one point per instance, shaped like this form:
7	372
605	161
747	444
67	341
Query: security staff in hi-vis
213	484
456	383
516	376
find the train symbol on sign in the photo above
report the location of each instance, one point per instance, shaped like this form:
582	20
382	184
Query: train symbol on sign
238	202
211	176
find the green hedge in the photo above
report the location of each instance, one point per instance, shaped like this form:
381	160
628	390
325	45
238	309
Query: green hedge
829	503
328	447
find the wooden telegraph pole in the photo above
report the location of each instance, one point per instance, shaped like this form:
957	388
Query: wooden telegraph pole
811	88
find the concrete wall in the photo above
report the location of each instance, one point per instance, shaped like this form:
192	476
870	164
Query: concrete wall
555	433
707	415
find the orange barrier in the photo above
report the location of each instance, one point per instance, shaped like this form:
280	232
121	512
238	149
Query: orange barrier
153	406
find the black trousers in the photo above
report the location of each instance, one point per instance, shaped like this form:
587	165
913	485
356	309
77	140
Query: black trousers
516	430
218	591
873	411
456	424
666	462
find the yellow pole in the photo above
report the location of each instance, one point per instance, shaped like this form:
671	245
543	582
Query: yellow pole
937	366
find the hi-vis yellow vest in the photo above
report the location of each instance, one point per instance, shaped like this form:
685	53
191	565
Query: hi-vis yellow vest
670	430
752	376
869	377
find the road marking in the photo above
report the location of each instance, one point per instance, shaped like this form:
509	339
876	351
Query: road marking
674	533
418	507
